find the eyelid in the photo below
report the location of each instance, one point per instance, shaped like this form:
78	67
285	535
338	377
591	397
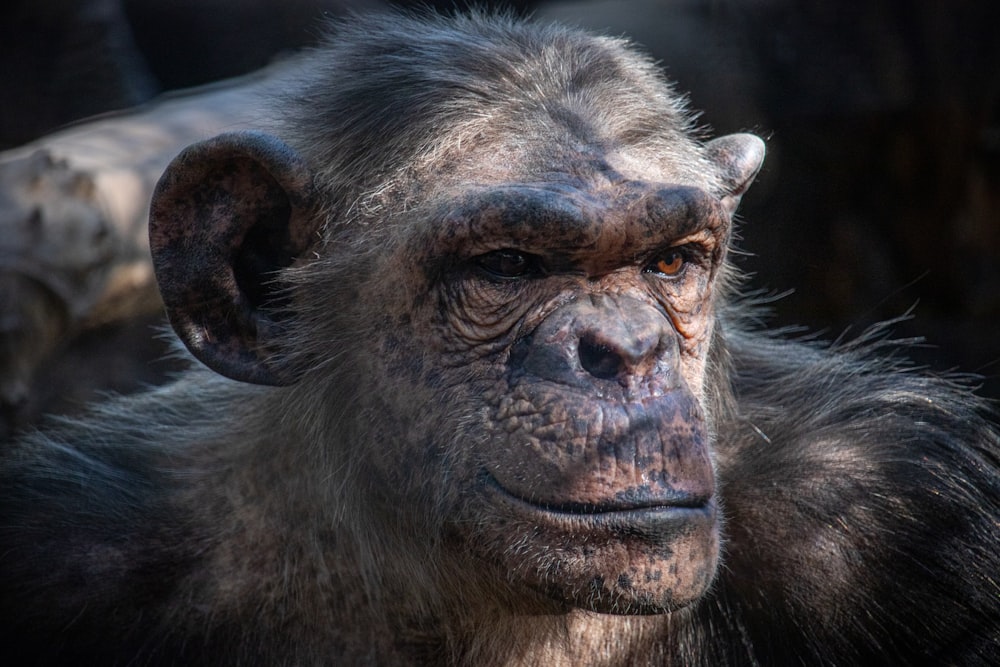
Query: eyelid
703	238
532	264
696	246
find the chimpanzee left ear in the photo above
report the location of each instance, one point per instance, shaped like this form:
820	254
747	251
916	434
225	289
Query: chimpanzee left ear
738	158
227	215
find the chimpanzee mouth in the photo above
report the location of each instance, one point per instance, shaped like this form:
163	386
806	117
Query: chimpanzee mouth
635	507
640	552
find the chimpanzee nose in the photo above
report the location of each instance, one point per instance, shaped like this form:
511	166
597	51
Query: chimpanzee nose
602	337
611	354
600	360
621	338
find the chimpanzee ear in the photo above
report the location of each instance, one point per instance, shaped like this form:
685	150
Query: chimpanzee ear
738	158
227	215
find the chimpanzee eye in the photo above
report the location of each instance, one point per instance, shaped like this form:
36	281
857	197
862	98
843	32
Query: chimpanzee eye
670	263
508	263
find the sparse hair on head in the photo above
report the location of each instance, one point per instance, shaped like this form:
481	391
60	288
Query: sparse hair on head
402	91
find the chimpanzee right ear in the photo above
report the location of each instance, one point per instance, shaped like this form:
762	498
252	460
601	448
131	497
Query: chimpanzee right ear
227	215
737	159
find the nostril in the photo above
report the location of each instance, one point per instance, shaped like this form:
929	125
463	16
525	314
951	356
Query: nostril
599	360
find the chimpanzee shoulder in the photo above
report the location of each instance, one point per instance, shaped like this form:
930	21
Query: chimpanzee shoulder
849	476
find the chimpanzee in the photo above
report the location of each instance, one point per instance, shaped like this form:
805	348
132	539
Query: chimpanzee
478	388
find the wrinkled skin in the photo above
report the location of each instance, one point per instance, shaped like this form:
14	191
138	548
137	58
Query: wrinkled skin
590	472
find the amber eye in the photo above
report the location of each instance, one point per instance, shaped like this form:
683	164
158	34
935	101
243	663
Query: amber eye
508	263
671	263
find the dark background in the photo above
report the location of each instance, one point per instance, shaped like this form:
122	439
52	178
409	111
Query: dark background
881	192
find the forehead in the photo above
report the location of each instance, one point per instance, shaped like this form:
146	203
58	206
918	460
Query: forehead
572	142
554	180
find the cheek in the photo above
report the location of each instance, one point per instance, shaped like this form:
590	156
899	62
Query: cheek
420	416
692	364
694	350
